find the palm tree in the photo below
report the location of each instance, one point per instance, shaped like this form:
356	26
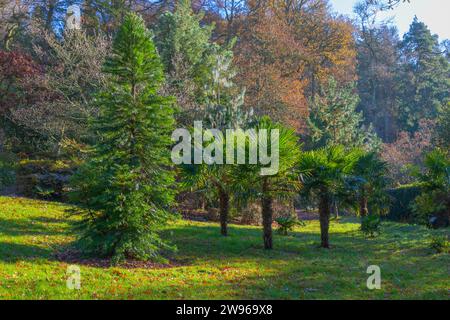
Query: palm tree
218	177
323	173
433	204
224	111
282	185
370	170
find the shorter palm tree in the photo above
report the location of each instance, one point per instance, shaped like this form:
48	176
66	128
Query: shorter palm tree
432	206
324	174
370	171
220	178
282	185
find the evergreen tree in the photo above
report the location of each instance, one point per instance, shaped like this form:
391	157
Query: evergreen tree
181	33
424	78
188	57
127	185
224	100
224	110
334	120
442	133
378	59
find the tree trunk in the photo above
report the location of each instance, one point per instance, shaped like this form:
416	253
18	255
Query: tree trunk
267	216
224	201
363	206
324	217
335	209
50	14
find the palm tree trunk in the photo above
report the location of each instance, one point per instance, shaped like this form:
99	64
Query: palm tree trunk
363	209
267	215
224	202
335	209
363	206
324	217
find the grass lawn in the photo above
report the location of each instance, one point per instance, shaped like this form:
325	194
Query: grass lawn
214	267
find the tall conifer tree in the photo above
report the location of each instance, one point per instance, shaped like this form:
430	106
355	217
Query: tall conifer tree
127	185
334	120
424	78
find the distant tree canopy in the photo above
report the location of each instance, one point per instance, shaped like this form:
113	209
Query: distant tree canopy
284	57
282	60
424	77
400	82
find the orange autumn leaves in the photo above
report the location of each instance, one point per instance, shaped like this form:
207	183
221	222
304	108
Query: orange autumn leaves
286	50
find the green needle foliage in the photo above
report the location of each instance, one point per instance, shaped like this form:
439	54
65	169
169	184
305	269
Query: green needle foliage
334	120
127	185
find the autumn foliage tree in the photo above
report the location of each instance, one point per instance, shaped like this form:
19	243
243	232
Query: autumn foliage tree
17	70
287	50
268	58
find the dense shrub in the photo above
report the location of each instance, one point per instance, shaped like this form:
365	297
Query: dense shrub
370	225
7	170
401	200
251	214
287	224
432	206
46	179
440	244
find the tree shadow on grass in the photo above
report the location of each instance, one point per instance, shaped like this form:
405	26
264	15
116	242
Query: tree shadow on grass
297	268
198	243
17	232
53	220
307	279
204	242
30	227
13	252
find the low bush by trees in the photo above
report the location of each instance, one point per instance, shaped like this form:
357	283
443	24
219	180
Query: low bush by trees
400	201
371	192
432	206
370	225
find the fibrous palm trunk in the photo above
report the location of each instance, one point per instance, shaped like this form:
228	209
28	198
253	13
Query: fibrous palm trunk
324	217
363	205
335	209
267	215
224	201
363	209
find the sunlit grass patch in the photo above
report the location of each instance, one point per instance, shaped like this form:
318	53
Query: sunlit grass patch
215	267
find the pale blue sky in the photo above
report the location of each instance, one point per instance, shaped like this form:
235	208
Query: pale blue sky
434	13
